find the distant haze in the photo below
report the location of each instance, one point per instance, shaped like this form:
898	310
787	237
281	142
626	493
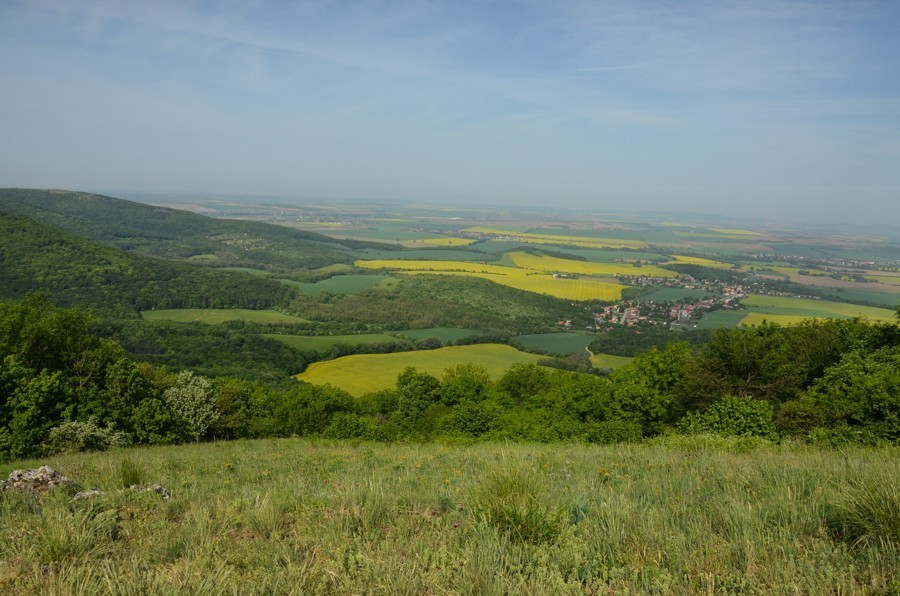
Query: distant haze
769	109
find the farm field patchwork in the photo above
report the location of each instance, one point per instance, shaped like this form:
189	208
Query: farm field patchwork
439	241
548	264
790	310
521	279
324	343
365	373
686	260
581	241
214	316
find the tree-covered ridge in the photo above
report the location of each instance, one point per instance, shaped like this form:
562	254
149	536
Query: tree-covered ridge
80	272
63	387
175	234
424	301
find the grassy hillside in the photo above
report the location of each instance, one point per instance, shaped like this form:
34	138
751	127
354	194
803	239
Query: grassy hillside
320	517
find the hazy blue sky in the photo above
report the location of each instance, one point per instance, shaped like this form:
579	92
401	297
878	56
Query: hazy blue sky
737	107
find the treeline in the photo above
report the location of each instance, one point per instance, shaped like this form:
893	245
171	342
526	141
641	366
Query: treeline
834	382
620	340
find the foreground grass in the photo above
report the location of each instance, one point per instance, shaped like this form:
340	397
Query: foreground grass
299	516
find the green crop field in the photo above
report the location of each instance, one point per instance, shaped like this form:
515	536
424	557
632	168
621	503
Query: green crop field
345	284
722	318
214	316
689	515
324	343
791	310
365	373
558	344
445	334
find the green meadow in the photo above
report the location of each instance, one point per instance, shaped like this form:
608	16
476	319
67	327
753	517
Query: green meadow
610	361
345	284
214	316
689	515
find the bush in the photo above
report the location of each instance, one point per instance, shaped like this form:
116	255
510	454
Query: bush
73	436
613	431
732	416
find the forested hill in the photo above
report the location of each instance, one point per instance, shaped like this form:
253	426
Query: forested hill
75	271
174	234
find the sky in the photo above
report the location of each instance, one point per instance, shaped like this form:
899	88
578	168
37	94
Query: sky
777	108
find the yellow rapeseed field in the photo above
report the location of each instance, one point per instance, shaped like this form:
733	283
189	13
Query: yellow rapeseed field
514	277
365	373
684	260
554	264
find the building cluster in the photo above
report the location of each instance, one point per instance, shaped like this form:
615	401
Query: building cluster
630	313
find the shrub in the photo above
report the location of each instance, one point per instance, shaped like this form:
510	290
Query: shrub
732	416
613	431
75	435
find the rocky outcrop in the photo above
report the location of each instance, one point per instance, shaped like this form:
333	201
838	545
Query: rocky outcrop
154	488
87	494
39	480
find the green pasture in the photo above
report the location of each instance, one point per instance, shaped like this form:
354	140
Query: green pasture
610	361
345	284
618	234
444	334
365	373
324	343
214	316
557	344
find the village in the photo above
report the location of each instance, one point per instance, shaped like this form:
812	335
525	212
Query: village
721	295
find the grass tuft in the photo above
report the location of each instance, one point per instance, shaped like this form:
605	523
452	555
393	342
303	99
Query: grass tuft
868	513
513	500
